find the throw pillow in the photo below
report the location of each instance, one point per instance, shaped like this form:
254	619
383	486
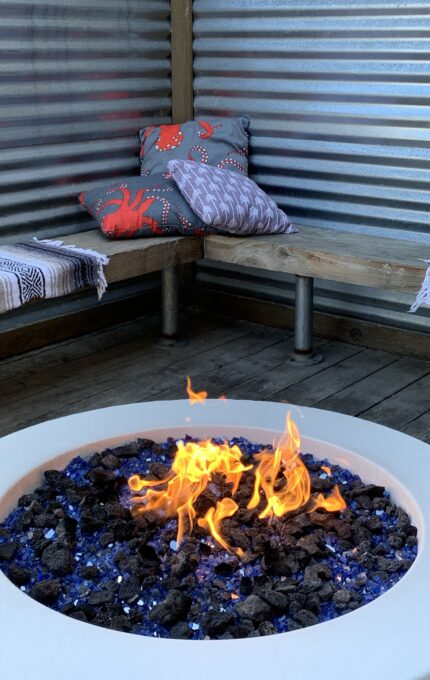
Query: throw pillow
217	141
142	206
228	201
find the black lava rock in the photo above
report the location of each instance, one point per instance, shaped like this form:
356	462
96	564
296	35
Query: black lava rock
129	589
58	559
341	598
306	618
8	550
266	628
253	608
181	631
19	575
215	623
103	596
174	608
46	591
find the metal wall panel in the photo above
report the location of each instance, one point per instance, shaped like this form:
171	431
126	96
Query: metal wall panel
78	78
339	97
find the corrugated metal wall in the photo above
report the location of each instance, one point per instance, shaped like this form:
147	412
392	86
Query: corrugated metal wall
339	97
78	78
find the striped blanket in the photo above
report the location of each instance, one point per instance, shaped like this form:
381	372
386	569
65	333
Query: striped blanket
47	269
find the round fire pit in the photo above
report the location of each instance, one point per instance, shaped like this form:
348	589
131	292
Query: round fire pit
387	638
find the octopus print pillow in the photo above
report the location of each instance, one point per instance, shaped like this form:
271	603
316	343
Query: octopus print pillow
142	206
227	201
222	142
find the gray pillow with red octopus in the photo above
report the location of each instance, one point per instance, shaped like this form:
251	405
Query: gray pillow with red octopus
142	206
222	142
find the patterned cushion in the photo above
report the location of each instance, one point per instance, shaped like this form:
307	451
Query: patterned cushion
228	201
142	206
217	141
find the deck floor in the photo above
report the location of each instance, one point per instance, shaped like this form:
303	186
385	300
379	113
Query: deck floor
238	359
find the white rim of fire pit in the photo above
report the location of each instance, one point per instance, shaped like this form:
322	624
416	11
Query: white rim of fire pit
388	638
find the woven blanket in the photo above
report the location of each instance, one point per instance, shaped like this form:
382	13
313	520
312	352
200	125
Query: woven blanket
423	296
47	269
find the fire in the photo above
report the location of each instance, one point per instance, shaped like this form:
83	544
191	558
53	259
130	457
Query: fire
326	469
192	470
213	518
282	482
195	397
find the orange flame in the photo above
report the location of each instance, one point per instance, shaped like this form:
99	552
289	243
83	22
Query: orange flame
326	469
192	469
214	516
195	397
281	479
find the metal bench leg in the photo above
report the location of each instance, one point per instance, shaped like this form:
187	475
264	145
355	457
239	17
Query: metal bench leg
303	311
169	308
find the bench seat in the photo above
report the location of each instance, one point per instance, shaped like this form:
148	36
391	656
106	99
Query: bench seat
129	258
377	262
136	257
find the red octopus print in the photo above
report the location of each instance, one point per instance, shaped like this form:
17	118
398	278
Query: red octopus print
231	161
207	129
169	138
202	151
131	214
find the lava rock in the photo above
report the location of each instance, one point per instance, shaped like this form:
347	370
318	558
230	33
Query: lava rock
101	477
26	500
246	585
215	623
19	575
129	589
79	616
121	623
58	559
314	574
103	596
253	608
8	550
110	462
371	490
341	598
46	591
266	628
89	572
181	631
306	618
277	600
174	608
242	628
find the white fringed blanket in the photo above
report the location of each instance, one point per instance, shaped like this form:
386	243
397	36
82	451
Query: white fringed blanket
423	297
47	269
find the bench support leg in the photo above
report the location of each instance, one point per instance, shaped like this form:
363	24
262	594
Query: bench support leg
303	353
169	308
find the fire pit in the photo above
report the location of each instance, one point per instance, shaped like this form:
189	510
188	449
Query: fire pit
396	620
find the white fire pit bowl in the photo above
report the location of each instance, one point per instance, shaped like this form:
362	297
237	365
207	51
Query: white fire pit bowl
388	639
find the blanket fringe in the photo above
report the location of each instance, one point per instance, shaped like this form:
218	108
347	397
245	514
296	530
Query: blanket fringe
101	261
423	296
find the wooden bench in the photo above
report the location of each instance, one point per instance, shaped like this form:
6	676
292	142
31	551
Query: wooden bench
136	257
372	261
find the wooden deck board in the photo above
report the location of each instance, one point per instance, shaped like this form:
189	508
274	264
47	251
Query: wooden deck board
238	359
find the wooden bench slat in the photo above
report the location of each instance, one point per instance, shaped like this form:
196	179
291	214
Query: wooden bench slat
329	254
135	257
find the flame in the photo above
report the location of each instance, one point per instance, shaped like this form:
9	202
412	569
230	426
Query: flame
296	489
326	469
213	518
332	503
192	470
281	479
195	397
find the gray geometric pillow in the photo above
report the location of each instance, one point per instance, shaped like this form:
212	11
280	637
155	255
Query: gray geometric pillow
216	141
227	200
